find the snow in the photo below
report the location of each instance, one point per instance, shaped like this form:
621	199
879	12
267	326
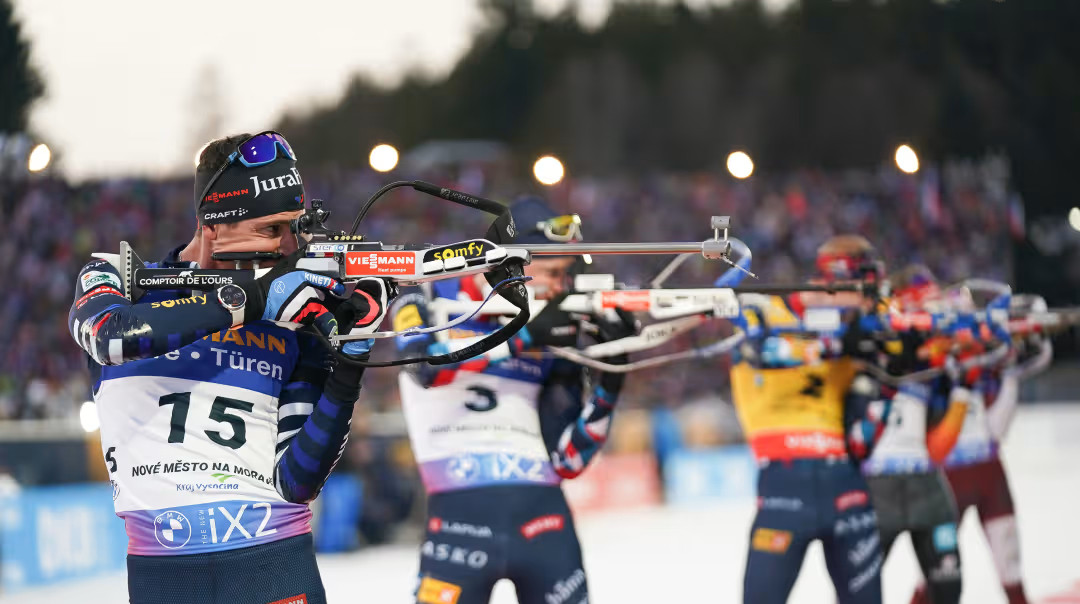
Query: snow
697	553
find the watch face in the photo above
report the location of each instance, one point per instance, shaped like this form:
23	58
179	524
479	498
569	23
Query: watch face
232	296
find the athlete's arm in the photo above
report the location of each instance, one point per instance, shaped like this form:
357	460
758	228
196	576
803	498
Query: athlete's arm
945	420
113	330
317	405
312	427
582	439
866	412
1002	409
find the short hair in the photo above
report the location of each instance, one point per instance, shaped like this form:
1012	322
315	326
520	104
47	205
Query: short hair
214	154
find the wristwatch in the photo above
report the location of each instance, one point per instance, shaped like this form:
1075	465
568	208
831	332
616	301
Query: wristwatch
233	298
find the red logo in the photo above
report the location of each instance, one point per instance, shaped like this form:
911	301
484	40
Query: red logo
630	300
97	291
851	499
216	197
543	524
300	599
434	525
364	264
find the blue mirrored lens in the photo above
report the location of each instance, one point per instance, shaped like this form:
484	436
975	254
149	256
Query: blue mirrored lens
263	149
285	145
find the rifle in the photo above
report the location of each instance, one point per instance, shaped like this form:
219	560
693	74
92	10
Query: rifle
348	257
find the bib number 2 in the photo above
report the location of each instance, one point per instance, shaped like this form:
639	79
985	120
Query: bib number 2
219	412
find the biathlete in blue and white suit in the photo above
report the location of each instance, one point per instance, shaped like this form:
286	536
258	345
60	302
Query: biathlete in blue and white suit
220	420
493	441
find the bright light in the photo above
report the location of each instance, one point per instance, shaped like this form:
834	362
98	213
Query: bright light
906	159
740	165
383	158
1074	218
39	158
548	170
88	416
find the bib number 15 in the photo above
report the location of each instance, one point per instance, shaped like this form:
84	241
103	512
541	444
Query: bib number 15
219	412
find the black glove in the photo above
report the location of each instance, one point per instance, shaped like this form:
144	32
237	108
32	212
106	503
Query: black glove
902	352
623	325
289	295
552	326
858	342
362	312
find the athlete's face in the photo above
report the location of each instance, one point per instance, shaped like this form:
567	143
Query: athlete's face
263	234
549	276
836	300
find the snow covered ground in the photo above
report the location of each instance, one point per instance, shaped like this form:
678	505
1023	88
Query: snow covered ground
684	554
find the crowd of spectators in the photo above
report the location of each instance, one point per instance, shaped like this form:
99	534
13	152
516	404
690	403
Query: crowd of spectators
956	219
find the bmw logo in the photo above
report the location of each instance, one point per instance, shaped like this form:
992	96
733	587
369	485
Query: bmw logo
463	467
172	529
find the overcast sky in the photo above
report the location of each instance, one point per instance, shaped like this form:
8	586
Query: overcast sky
125	77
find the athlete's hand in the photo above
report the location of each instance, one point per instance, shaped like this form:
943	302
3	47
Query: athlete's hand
623	325
552	326
288	295
858	341
902	352
363	311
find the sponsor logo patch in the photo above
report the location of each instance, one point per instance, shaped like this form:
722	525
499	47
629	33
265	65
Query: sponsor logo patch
444	552
197	300
543	524
433	591
851	499
945	537
438	525
97	291
627	300
92	279
216	197
300	599
360	264
472	249
771	540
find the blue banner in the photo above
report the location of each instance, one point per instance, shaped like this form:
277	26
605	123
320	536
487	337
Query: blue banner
51	534
692	476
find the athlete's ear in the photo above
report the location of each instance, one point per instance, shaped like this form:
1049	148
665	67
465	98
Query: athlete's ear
209	233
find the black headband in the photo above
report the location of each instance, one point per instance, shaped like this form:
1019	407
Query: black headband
241	192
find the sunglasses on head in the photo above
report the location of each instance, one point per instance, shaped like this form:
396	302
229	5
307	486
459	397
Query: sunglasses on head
561	228
258	150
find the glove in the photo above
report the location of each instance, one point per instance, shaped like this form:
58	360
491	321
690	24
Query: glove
902	353
624	325
552	326
362	312
288	295
858	341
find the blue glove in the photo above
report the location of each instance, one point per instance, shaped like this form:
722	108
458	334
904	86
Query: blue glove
288	295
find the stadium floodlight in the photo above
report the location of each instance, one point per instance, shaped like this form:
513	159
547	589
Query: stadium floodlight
39	158
907	160
1074	218
383	158
88	416
548	170
740	165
